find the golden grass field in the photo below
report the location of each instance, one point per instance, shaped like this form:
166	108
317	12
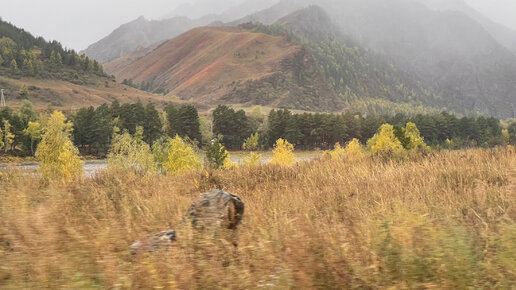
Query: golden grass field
444	221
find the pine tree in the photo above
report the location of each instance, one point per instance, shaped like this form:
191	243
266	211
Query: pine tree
189	121
28	66
174	126
152	125
84	128
103	129
27	112
233	126
59	60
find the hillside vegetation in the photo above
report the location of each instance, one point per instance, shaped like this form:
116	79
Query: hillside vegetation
22	54
214	65
50	76
445	221
449	53
63	95
356	74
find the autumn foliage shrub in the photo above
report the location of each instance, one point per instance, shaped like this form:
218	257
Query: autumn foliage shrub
384	143
181	157
131	152
251	144
283	153
58	157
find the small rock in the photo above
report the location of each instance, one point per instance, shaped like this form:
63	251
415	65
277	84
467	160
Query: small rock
216	209
155	242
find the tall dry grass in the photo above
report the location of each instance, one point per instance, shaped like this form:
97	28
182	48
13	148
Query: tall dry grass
445	221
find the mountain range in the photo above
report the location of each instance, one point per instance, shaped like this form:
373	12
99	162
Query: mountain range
231	65
374	56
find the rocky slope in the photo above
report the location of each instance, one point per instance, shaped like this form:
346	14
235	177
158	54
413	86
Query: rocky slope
214	65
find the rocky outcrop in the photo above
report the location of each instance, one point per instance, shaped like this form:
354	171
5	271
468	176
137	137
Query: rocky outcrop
214	210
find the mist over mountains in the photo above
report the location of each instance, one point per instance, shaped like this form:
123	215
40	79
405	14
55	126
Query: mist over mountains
410	56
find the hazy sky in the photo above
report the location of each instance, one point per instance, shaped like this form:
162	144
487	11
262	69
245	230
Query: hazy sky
502	11
78	23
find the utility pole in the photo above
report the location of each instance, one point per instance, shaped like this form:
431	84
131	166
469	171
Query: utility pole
2	102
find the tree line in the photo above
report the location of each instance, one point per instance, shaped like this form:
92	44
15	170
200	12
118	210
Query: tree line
149	86
22	54
93	128
309	131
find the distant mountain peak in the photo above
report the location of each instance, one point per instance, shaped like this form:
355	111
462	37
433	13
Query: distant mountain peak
230	65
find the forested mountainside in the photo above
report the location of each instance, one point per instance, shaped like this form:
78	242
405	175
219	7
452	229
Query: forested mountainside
447	52
48	75
23	55
325	72
141	33
354	72
214	65
377	55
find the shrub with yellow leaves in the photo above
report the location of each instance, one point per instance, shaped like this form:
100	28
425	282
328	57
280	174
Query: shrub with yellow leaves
416	142
251	144
253	159
181	157
283	153
131	152
384	143
33	131
337	152
506	137
8	136
354	151
58	157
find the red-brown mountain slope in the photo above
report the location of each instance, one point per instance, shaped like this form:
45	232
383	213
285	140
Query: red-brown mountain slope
229	65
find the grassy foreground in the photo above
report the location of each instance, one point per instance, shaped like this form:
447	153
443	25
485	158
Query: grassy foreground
445	221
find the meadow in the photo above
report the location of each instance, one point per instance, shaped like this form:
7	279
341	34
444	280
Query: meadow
446	220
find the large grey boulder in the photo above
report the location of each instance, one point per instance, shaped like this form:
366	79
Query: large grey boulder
216	209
